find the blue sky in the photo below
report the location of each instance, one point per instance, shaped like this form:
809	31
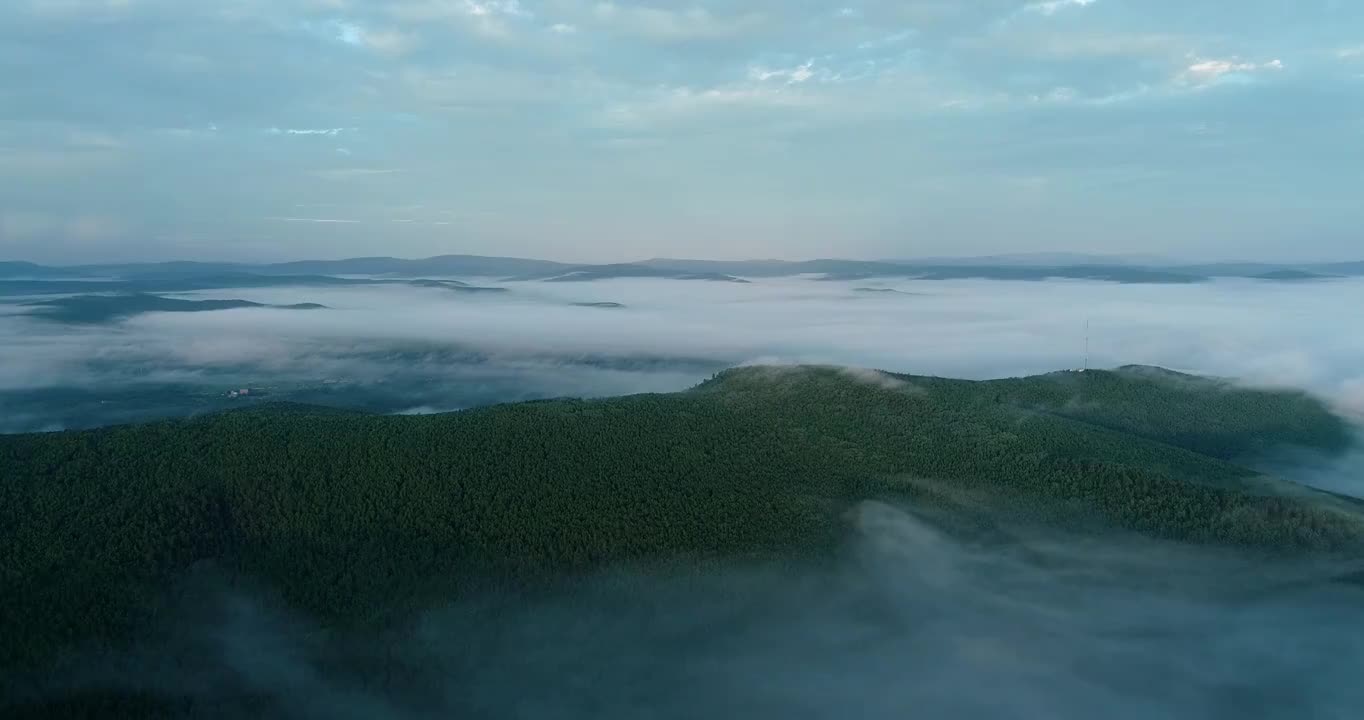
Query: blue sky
595	131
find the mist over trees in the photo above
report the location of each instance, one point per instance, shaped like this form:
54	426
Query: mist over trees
298	549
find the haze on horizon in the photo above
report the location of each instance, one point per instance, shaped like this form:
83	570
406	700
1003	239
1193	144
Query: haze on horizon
594	131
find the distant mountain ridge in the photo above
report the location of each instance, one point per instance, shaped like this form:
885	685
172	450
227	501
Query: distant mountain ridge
93	309
1033	267
153	283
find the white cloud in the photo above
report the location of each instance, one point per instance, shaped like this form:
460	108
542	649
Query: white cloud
563	29
1051	7
789	76
1202	73
329	132
384	42
1264	334
491	8
1350	53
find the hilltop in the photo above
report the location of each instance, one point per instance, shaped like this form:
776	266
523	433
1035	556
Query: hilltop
90	309
357	519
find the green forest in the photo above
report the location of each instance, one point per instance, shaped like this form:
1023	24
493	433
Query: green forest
357	519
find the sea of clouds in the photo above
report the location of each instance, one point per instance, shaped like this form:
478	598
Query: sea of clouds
467	349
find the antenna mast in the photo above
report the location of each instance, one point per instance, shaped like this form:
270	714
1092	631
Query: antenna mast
1086	344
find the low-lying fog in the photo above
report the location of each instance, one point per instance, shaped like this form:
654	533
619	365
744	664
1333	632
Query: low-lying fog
912	622
397	348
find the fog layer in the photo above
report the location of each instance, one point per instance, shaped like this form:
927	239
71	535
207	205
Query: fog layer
399	348
914	619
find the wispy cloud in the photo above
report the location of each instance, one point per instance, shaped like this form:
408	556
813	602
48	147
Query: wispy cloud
1203	72
385	42
329	132
789	76
1051	7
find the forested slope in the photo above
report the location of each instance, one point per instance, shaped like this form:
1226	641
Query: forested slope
357	518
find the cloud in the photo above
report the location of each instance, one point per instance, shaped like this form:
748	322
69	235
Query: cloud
328	132
386	42
789	76
914	615
1051	7
439	84
1350	53
671	334
1203	72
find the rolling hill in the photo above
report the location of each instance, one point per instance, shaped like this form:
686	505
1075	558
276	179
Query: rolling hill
91	309
358	520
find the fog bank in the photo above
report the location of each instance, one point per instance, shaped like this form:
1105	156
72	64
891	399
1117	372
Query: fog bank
398	347
914	619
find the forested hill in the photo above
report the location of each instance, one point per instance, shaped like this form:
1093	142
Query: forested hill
357	518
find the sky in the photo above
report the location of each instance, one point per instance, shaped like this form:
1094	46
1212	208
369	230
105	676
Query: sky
598	131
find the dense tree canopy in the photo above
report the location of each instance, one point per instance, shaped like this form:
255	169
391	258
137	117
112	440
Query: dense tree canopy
358	518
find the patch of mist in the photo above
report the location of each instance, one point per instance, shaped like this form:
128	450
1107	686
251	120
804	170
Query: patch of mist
1342	474
1286	336
427	410
879	379
915	619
